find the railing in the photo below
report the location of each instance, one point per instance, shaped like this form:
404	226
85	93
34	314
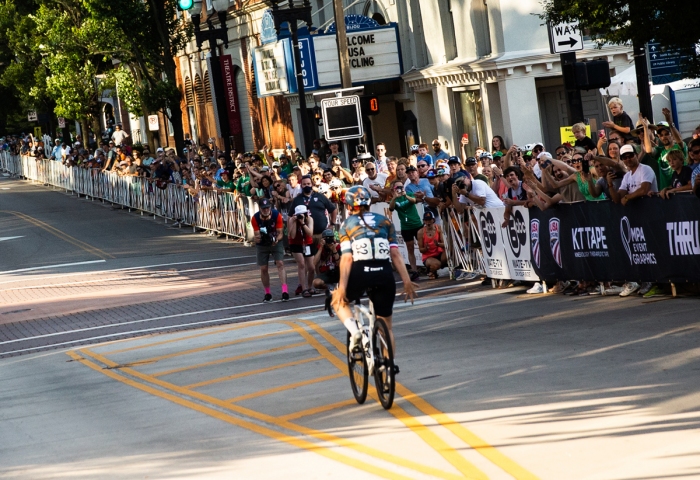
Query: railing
223	213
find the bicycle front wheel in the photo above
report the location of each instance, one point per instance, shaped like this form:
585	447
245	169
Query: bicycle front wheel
358	372
383	364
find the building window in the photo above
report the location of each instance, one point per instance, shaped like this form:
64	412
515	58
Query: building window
207	87
473	121
189	92
199	89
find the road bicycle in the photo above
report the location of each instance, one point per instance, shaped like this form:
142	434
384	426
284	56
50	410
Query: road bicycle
374	356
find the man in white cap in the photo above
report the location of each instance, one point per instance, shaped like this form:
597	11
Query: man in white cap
637	182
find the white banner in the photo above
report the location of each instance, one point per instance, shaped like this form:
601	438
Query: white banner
506	249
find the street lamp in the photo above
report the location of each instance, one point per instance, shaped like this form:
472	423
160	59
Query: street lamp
291	15
211	35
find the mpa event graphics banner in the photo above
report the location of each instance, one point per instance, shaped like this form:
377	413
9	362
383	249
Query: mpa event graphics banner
648	240
506	249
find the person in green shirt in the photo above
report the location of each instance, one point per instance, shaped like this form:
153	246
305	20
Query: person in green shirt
225	184
669	139
405	206
243	184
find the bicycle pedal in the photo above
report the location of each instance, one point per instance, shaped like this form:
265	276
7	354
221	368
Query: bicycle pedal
396	369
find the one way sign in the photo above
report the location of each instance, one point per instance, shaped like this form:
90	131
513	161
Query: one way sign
565	37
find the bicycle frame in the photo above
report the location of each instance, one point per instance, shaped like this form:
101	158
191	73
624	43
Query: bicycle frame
362	312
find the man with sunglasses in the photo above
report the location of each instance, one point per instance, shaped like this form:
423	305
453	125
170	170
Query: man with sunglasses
669	139
375	181
268	227
637	182
423	168
439	154
405	206
327	264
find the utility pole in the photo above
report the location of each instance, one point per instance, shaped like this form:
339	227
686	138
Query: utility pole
342	40
642	70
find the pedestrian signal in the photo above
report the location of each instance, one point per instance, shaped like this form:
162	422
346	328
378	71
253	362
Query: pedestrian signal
185	4
370	105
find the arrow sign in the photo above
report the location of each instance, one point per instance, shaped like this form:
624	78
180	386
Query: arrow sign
571	42
565	37
2	239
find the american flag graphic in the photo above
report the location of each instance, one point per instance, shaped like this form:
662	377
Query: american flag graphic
535	240
554	240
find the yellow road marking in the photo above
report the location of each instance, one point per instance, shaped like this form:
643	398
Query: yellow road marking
295	441
173	340
428	436
217	345
463	433
86	247
388	457
316	410
253	372
282	388
229	359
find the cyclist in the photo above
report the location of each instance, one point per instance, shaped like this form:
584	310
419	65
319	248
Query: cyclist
368	246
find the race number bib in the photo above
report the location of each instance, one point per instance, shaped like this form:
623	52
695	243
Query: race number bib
381	249
362	249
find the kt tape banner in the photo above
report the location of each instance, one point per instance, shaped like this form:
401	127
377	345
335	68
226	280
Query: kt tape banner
505	245
648	240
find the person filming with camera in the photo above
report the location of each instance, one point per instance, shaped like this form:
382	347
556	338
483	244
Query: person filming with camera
301	243
268	227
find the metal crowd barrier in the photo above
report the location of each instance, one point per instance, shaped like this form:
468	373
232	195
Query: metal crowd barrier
226	213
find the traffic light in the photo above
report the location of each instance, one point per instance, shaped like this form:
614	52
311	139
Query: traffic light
370	105
587	75
185	4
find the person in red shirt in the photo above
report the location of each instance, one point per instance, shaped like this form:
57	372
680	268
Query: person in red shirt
268	226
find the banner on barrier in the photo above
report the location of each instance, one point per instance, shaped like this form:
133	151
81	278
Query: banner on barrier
506	249
648	240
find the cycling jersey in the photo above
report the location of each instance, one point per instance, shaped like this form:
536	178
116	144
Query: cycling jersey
365	243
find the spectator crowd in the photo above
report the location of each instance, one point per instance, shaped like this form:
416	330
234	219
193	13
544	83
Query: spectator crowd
302	197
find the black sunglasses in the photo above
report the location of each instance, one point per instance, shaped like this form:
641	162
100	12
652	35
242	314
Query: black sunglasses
627	155
422	165
695	152
369	169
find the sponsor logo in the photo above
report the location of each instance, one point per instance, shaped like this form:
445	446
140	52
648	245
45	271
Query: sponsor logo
535	240
517	232
683	238
554	239
589	242
635	244
488	231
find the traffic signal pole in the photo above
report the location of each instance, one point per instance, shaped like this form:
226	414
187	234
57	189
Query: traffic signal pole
573	94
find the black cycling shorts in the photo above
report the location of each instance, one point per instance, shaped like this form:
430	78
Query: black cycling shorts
378	275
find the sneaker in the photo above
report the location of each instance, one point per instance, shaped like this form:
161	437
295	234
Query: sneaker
285	297
629	288
646	286
536	288
467	276
355	341
559	287
268	298
299	290
414	276
655	291
612	290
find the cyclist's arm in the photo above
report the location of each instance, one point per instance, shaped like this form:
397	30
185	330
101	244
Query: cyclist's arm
399	265
345	266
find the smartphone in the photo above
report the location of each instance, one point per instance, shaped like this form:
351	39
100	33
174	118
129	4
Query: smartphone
465	136
546	163
585	165
601	133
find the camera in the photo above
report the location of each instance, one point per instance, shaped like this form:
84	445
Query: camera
300	218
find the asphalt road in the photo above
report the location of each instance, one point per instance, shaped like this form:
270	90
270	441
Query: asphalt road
493	383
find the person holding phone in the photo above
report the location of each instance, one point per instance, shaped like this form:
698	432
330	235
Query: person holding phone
405	206
301	243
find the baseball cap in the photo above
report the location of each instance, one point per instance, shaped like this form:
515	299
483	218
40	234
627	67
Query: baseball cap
328	233
497	154
265	203
430	173
428	215
663	126
300	210
265	169
471	161
453	159
414	147
486	155
275	164
626	149
544	156
411	168
296	167
160	150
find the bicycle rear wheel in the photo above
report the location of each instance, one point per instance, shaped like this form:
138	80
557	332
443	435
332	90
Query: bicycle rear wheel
383	364
358	372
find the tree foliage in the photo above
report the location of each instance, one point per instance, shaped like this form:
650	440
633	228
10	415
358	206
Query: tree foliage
672	23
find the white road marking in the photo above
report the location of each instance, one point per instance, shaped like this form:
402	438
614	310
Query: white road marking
51	266
135	268
2	239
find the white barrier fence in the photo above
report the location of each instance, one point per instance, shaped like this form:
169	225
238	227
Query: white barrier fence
225	213
230	214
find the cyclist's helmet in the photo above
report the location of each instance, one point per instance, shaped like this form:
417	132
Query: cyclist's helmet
357	196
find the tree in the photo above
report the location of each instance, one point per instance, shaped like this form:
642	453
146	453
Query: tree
672	23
